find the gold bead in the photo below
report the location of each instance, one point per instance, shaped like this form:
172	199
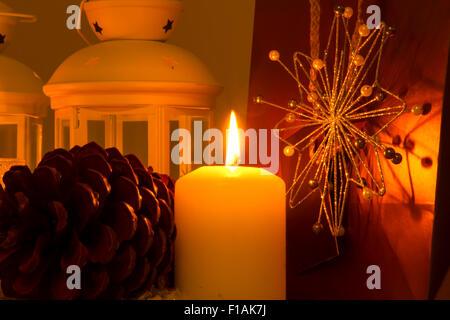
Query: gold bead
292	103
382	192
360	143
366	91
289	151
363	30
312	97
348	12
290	117
274	55
313	184
417	109
358	60
318	64
397	159
389	153
367	193
340	232
258	99
317	227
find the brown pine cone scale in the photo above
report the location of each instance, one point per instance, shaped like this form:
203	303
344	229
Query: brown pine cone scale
94	208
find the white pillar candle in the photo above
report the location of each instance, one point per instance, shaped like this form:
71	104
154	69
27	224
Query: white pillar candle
231	240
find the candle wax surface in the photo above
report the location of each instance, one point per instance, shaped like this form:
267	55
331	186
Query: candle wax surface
231	240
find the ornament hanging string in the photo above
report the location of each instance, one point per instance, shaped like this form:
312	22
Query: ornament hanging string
314	35
358	22
315	28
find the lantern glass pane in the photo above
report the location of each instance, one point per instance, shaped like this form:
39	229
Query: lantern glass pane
8	141
96	132
35	142
135	139
174	168
65	128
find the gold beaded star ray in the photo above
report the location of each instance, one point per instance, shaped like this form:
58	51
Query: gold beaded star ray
338	101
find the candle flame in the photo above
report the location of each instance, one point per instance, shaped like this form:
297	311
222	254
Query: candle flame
233	145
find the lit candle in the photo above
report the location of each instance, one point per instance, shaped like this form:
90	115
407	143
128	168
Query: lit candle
231	241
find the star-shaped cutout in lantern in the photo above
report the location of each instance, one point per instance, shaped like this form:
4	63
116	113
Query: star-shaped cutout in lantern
98	28
168	26
170	62
2	38
93	61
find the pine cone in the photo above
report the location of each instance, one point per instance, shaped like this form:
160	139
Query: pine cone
90	207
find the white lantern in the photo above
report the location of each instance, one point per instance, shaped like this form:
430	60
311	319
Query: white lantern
132	90
22	102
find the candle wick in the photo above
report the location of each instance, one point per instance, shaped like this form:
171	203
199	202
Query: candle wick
235	161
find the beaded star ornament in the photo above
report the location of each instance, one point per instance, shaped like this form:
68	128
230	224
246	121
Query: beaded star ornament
336	99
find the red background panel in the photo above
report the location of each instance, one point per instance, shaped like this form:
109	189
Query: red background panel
394	232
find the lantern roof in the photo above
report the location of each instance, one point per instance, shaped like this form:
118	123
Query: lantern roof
132	68
133	19
20	89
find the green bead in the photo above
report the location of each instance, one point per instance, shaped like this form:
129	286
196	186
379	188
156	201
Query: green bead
339	9
397	159
389	153
390	31
380	96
